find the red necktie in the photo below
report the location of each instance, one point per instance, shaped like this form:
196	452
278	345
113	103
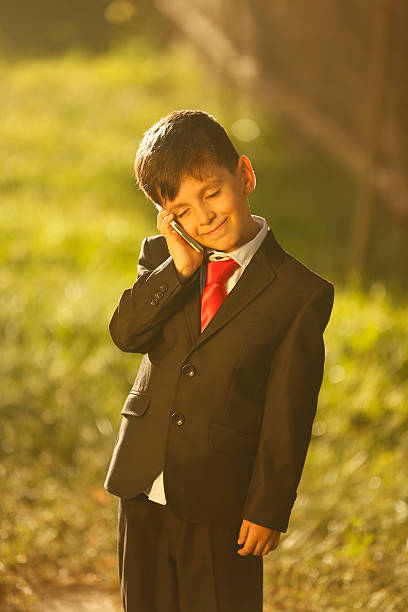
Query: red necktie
218	272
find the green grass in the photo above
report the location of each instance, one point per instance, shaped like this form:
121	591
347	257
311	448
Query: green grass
71	225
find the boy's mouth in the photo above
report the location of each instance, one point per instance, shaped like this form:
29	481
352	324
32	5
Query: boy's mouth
214	231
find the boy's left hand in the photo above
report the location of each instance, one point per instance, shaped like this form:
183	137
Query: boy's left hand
257	540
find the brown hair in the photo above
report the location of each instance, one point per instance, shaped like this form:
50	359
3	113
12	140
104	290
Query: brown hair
183	143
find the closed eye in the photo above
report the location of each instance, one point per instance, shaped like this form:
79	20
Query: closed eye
178	215
212	195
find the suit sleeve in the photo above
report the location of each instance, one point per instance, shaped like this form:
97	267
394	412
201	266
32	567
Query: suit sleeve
156	295
293	385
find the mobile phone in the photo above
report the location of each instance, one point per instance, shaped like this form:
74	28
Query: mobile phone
193	243
189	239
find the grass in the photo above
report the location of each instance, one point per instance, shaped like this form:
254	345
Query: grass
71	226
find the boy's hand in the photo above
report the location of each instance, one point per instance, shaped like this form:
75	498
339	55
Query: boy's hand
185	258
257	540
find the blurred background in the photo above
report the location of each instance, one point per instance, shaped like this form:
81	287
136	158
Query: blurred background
315	93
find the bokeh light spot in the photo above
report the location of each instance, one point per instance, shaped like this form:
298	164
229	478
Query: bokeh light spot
119	11
245	130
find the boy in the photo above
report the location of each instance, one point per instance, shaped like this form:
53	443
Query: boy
216	428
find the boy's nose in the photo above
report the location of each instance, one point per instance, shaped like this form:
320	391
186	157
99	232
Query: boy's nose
205	216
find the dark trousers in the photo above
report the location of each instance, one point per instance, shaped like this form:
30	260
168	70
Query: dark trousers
169	565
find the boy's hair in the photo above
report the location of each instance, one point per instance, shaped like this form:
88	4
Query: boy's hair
183	143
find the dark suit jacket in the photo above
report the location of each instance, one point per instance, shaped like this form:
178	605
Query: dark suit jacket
228	412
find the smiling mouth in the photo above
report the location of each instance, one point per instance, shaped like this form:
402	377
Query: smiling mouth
216	229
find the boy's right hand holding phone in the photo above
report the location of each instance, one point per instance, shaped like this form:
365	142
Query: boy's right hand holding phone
185	258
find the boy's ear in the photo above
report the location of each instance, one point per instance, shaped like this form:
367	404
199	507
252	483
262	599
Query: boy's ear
247	174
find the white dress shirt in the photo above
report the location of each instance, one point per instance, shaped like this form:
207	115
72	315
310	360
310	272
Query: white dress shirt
242	255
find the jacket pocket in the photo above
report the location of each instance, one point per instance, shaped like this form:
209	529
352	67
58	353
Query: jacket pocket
136	404
230	441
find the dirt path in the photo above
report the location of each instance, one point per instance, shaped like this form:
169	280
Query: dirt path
93	599
79	599
84	599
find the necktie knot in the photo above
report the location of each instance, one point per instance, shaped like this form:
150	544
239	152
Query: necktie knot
220	271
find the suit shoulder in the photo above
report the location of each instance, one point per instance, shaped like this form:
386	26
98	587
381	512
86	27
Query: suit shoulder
294	275
298	284
302	286
301	274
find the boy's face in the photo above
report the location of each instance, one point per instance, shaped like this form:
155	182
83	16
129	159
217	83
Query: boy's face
215	210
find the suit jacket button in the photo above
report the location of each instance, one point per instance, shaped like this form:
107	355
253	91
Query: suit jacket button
154	302
163	287
188	370
159	294
177	418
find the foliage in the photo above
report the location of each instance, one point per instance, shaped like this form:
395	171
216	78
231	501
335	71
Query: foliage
71	226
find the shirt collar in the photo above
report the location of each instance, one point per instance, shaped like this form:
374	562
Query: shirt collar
243	254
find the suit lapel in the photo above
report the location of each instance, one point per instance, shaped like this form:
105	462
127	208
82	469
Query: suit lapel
258	274
192	309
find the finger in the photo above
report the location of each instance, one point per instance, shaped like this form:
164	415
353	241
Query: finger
243	532
259	548
164	222
160	218
248	547
166	225
161	214
267	548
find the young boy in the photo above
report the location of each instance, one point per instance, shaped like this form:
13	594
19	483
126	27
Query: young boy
216	428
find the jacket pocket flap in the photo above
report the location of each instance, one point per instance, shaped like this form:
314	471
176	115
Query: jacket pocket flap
135	404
